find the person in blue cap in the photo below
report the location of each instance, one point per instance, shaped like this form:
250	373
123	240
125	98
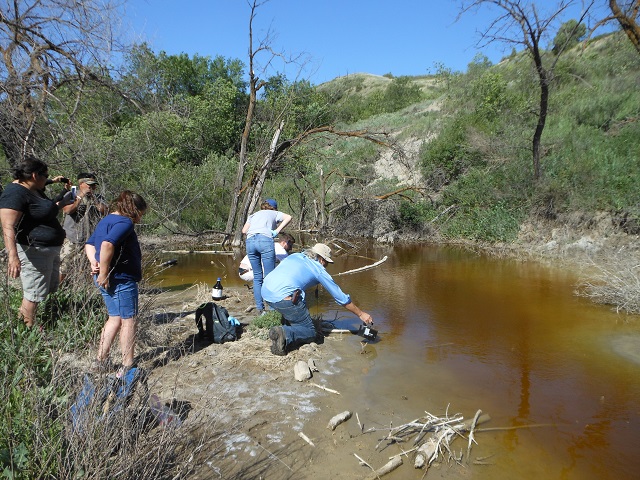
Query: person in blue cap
261	228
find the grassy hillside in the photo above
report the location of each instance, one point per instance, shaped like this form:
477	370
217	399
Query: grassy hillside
475	131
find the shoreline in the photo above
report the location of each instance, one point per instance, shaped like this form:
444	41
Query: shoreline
253	397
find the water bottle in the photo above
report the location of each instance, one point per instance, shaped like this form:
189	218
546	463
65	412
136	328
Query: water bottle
216	293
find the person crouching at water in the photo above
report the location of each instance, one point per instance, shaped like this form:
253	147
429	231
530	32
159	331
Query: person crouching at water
283	290
116	263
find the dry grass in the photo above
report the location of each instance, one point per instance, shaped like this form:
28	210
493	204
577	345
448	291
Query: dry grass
614	283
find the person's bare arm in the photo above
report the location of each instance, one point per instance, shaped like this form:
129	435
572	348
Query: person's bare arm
364	316
72	207
283	223
9	219
90	251
106	254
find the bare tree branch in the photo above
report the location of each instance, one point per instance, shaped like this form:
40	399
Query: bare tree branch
522	23
45	45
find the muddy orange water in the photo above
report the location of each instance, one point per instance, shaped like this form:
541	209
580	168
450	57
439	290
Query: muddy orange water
463	332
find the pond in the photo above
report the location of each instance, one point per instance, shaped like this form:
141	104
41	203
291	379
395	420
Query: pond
463	331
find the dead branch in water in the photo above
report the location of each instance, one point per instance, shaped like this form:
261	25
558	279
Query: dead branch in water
362	462
440	431
471	439
373	265
515	427
390	466
615	284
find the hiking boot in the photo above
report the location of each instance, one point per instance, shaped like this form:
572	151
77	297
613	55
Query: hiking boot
278	341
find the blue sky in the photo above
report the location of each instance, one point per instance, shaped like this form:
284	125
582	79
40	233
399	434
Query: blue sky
334	37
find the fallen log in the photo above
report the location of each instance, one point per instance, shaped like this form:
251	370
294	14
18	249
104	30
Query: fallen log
338	419
387	468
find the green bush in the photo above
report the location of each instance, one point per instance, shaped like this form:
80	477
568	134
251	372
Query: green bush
497	223
261	324
414	215
446	157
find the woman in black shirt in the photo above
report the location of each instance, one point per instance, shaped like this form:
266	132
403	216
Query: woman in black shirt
32	235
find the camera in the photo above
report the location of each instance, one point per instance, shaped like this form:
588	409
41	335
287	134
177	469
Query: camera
367	332
64	180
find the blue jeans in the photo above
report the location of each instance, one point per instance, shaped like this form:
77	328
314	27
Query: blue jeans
121	298
262	254
298	328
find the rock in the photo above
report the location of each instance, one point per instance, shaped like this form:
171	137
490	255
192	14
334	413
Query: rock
301	371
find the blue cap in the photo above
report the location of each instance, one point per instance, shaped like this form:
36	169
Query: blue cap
272	202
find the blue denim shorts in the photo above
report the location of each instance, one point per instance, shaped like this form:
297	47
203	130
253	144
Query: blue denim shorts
121	298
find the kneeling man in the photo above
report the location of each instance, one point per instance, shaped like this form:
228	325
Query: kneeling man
284	290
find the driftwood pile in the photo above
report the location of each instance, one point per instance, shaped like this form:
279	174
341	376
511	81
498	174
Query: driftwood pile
429	439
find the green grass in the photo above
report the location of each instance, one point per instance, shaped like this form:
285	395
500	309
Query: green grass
261	324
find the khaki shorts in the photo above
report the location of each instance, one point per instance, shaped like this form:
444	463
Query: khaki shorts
40	271
72	257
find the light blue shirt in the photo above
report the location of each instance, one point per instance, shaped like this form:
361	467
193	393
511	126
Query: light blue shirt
263	221
298	271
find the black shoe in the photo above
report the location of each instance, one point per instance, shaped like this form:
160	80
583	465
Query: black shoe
278	341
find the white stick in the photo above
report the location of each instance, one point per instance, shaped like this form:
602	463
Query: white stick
471	439
364	463
324	388
305	438
382	260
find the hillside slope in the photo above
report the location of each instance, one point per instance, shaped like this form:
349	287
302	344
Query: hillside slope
466	154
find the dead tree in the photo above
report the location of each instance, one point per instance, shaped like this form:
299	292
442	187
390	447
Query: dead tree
521	23
626	13
253	188
44	46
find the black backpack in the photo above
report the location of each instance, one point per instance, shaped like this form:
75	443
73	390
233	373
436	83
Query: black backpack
218	329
